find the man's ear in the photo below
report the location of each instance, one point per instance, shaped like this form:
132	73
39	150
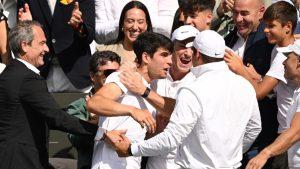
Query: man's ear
209	17
288	27
261	11
145	58
24	47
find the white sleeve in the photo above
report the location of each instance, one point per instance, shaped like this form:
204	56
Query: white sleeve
183	119
277	69
253	127
106	26
114	78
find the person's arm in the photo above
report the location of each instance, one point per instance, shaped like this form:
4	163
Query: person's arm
253	127
34	93
182	122
4	46
262	88
280	145
83	21
104	103
133	82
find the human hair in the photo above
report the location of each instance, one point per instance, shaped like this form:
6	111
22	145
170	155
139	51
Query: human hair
283	12
189	7
100	58
176	22
22	32
208	59
127	7
150	42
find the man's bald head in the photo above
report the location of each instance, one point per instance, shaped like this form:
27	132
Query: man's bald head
247	15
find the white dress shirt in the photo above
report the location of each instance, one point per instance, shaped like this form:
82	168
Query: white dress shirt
168	87
239	46
29	66
215	118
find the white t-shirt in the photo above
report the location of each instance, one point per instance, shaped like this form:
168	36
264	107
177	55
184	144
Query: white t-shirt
104	156
168	87
294	151
284	89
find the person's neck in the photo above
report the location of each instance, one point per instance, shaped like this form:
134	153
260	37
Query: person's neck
286	41
127	45
143	70
176	75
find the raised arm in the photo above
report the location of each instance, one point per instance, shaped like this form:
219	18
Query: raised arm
280	145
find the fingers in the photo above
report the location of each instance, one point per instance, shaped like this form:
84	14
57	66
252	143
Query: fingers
26	7
76	6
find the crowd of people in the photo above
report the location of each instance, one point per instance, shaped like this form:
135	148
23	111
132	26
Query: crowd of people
170	84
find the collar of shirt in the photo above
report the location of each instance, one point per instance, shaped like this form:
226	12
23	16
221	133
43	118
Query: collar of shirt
201	69
29	66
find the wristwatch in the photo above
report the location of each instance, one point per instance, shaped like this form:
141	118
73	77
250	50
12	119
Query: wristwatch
146	93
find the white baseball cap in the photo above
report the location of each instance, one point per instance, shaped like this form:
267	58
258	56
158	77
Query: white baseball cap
210	43
291	48
185	32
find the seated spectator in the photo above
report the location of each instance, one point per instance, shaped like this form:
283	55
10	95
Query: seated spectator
101	65
134	20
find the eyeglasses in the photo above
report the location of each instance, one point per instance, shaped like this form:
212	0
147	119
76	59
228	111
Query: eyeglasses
106	72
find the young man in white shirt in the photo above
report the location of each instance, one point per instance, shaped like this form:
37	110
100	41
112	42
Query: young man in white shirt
120	109
178	75
210	121
289	139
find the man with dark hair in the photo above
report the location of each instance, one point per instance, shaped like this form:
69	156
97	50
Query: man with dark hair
198	13
27	110
207	112
101	65
120	109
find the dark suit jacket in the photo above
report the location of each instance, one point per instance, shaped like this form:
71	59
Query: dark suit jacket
26	112
72	50
258	53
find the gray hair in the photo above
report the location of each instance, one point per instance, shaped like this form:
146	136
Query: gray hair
22	32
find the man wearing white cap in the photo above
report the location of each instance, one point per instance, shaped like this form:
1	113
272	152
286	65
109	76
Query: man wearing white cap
210	120
178	75
288	140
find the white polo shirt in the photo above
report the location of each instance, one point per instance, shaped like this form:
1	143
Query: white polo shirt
215	118
284	89
168	87
294	151
104	156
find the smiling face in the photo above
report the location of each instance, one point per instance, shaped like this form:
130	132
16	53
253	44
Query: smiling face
247	15
34	52
292	68
159	64
276	32
134	24
182	57
200	20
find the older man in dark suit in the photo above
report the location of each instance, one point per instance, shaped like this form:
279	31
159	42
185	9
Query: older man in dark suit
69	27
27	110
